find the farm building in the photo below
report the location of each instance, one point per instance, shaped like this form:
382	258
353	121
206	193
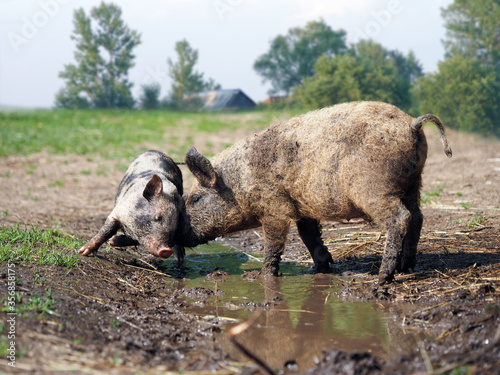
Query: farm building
220	100
275	99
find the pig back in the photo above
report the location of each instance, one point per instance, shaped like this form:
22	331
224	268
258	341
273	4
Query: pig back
325	160
144	167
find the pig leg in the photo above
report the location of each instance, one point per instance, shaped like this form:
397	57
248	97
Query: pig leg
310	232
109	229
275	233
397	218
409	255
121	240
179	253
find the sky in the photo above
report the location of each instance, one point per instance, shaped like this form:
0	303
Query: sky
35	38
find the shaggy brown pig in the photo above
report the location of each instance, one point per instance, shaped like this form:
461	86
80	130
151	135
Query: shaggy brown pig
361	159
147	208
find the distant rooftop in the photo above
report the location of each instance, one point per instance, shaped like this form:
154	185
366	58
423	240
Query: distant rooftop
218	100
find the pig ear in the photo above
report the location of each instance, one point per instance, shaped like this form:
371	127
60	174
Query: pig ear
154	188
201	167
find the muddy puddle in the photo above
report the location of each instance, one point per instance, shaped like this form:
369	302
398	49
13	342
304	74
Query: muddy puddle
300	313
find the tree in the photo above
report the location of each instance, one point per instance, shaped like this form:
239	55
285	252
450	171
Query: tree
473	31
390	74
465	91
150	97
292	57
186	81
103	55
366	72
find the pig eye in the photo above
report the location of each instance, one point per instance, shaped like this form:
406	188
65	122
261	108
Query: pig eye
158	218
195	198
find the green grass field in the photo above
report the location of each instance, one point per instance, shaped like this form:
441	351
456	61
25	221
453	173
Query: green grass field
44	247
113	133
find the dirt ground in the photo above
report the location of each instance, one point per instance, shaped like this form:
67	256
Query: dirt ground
117	314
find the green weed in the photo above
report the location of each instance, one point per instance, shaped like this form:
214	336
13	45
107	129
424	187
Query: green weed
39	279
434	193
476	221
115	323
46	247
424	199
57	183
102	170
34	303
428	195
4	345
466	205
116	361
31	196
461	370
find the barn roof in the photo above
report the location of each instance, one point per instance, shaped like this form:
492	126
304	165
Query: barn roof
217	100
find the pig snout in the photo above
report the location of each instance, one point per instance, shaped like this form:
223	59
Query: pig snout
158	247
165	252
161	251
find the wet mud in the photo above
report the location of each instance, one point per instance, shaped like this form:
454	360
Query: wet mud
124	312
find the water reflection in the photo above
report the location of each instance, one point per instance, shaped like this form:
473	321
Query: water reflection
301	313
305	319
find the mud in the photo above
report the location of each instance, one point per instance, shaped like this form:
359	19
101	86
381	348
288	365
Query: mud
124	312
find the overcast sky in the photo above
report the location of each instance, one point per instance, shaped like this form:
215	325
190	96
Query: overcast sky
228	34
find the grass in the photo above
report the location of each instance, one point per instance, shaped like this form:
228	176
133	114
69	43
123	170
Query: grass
58	183
34	303
466	205
428	195
45	247
112	133
476	220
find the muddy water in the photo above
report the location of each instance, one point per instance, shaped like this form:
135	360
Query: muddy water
301	314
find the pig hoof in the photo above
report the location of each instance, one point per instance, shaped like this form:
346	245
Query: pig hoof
270	272
322	268
407	265
270	269
385	279
179	253
86	250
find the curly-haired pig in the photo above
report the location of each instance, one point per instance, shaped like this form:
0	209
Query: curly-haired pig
361	159
147	208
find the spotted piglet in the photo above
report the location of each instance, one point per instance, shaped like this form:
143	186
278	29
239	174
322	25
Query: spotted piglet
147	208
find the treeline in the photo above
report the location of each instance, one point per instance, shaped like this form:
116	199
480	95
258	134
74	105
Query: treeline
309	67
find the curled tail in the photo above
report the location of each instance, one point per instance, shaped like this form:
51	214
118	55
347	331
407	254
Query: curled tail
417	124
